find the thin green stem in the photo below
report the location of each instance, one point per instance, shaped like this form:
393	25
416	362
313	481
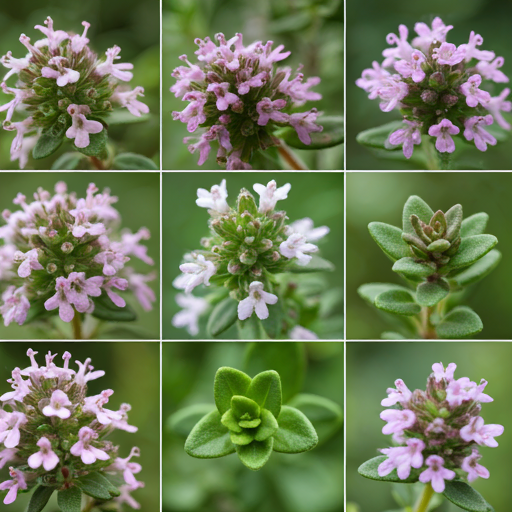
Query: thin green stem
427	331
426	496
77	326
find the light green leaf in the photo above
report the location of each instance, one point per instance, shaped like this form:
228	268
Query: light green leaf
471	249
70	500
331	135
252	328
255	455
429	294
390	335
228	383
389	239
121	116
183	421
241	405
454	221
460	322
415	205
415	269
265	390
97	144
478	270
222	317
378	137
268	426
40	498
370	291
465	497
399	302
242	438
105	309
229	420
296	434
369	469
209	439
133	162
67	162
474	225
317	264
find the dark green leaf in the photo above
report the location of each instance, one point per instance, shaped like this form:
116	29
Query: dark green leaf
415	205
429	294
273	325
369	469
331	135
256	454
370	291
222	317
474	225
317	264
183	421
471	249
411	268
70	500
296	434
228	383
399	302
460	322
67	162
265	390
40	498
49	141
105	309
478	270
97	486
465	497
134	162
389	239
378	137
97	144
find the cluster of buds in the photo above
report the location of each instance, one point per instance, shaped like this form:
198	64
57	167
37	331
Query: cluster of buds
439	430
61	253
55	436
248	246
237	98
67	91
436	87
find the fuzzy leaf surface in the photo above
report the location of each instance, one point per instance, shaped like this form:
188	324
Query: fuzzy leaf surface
268	426
228	383
474	225
415	206
222	317
105	309
369	469
40	498
296	434
389	239
317	264
411	268
133	162
49	142
460	322
97	486
70	500
378	137
265	390
331	135
465	497
97	144
256	454
67	162
370	291
429	294
471	249
183	421
478	270
398	302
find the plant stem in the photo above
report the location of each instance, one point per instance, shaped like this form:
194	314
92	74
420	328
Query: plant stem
426	496
290	158
431	154
427	331
444	161
97	163
77	326
89	506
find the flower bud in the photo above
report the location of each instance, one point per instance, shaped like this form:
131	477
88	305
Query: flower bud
429	97
437	80
249	257
450	100
51	268
246	203
67	247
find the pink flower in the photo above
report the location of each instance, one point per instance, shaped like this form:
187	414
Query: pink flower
129	469
94	405
193	308
443	131
82	225
498	104
63	74
81	127
125	496
21	389
83	376
448	54
81	288
471	50
373	79
474	131
398	421
19	96
269	110
391	92
463	390
15	65
295	246
112	261
116	70
53	37
253	81
490	70
270	194
29	262
129	245
186	76
297	89
307	228
7	455
202	146
215	199
120	284
257	301
122	424
10	423
78	42
402	458
473	94
481	434
193	113
428	35
408	137
235	163
224	98
403	49
472	468
15	305
195	273
301	333
305	123
436	473
14	485
129	100
46	457
84	449
57	407
144	294
440	373
412	68
401	394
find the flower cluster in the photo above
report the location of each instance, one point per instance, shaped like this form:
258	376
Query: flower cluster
248	246
55	436
437	88
237	97
439	430
61	253
67	91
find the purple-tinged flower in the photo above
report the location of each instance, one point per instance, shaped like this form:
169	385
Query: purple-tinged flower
53	37
84	449
257	301
83	376
19	96
15	305
224	97
129	100
401	394
15	65
214	200
305	123
143	293
81	127
473	94
463	390
372	79
398	421
45	457
471	48
448	54
62	74
307	228
498	104
193	114
126	497
10	423
21	389
441	373
301	333
392	91
112	261
402	458
269	110
443	132
122	424
297	89
7	455
472	468
235	162
202	146
436	473
81	288
408	137
119	283
403	49
412	68
295	246
127	468
193	308
195	273
17	483
57	406
490	70
94	405
130	245
270	194
481	434
475	131
79	42
29	261
427	35
253	81
116	70
185	76
60	300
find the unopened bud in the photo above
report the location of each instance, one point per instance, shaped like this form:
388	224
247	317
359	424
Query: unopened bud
429	97
51	268
69	268
275	256
238	107
450	100
249	240
255	271
249	257
437	80
234	267
67	247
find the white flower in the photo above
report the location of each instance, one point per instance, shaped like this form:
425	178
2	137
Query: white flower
215	199
193	308
195	273
270	194
306	227
257	301
301	333
295	247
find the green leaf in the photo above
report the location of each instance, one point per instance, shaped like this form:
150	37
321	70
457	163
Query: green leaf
134	162
471	249
70	500
454	222
256	454
317	264
460	322
415	205
228	383
268	426
229	420
97	143
399	302
241	405
370	469
465	497
474	225
49	141
390	335
222	317
429	294
273	325
478	270
415	269
265	390
121	116
183	421
370	291
209	439
389	239
40	498
331	135
97	486
296	434
105	309
252	328
378	137
67	162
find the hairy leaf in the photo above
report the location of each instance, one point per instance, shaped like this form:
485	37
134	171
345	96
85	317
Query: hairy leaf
474	225
97	144
70	500
411	268
429	294
415	206
369	469
241	405
105	309
228	383
389	239
454	221
478	270
317	264
378	137
40	498
183	421
370	291
268	426
398	302
465	497
265	390
460	322
222	317
256	454
471	249
94	484
67	162
49	141
133	162
296	434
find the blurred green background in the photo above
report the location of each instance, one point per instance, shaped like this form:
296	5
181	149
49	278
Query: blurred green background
132	370
134	25
373	367
369	23
315	195
380	197
311	29
306	482
139	206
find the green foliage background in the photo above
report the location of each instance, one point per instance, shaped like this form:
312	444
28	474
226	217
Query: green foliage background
373	367
311	29
132	371
311	481
372	20
315	195
134	25
139	206
381	197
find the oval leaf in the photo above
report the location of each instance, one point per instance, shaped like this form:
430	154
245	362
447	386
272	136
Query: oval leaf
70	500
474	225
415	205
268	426
183	421
398	302
331	135
409	267
134	162
67	162
265	390
460	322
389	239
105	309
471	249
378	137
49	141
478	270
222	317
228	383
429	294
95	485
296	434
370	469
256	454
317	264
465	497
370	291
209	439
40	498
